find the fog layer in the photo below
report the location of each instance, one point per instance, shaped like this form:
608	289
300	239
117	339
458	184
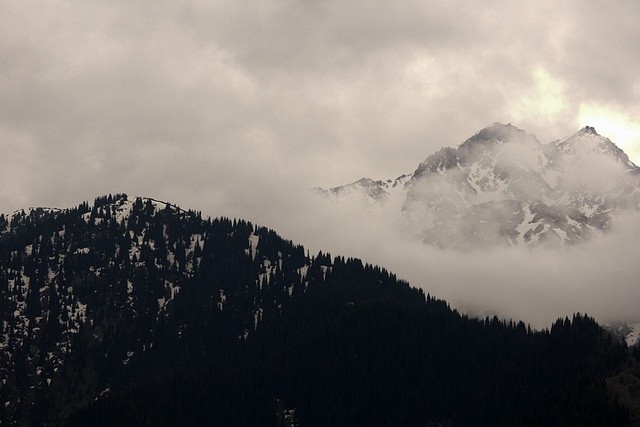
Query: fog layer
536	285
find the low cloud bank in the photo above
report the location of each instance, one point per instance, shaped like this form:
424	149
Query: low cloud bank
599	277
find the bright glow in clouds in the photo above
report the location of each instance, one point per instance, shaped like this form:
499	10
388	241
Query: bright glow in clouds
549	102
614	125
544	101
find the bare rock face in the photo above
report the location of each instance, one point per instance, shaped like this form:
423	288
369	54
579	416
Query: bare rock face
503	187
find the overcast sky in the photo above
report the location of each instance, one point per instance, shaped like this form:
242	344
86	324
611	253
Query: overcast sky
230	107
210	103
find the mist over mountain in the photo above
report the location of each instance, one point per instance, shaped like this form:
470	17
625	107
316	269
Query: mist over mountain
502	187
502	224
132	310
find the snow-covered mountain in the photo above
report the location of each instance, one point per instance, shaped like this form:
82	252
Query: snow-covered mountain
503	187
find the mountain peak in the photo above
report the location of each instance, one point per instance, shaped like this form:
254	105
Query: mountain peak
497	128
587	140
590	130
498	132
590	135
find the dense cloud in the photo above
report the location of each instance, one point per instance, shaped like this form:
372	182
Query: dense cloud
538	285
232	107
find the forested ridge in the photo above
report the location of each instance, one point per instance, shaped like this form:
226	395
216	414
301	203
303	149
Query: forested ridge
133	311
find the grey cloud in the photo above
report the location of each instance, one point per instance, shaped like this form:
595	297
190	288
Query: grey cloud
601	52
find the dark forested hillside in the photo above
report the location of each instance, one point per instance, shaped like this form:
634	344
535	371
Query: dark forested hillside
133	311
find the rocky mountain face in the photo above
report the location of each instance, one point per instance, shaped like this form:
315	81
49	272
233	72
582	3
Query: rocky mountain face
503	187
133	311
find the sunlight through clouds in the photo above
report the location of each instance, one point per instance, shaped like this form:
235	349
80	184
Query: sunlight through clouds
550	100
544	101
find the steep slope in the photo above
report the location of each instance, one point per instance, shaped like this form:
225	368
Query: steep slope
134	311
503	187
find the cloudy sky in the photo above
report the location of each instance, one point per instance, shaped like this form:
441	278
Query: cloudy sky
231	106
211	104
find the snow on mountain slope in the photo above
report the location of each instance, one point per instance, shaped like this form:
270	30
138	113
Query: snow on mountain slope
633	336
502	187
368	189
